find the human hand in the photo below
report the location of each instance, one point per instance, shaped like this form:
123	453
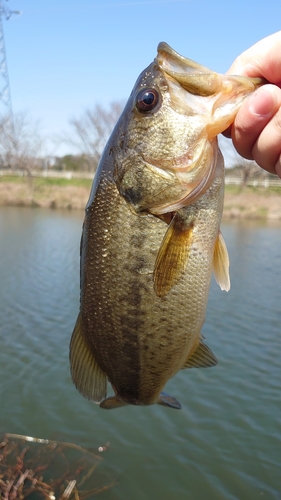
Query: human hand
256	131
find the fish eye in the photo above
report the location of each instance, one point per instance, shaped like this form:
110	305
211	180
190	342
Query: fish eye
146	100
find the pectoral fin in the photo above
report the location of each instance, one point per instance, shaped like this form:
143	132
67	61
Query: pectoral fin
87	376
221	263
203	357
172	256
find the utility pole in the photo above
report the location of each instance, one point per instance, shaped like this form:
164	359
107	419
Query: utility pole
5	92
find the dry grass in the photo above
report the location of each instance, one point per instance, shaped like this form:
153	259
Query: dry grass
46	196
251	203
45	469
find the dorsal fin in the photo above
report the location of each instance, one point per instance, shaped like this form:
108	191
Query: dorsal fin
87	376
203	357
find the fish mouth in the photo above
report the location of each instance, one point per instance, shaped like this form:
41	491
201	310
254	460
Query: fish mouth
200	80
212	101
194	173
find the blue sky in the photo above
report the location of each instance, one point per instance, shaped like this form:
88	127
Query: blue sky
65	55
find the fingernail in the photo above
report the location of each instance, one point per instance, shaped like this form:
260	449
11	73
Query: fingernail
263	102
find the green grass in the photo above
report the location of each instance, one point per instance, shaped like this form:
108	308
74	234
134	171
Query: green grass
262	212
47	181
53	181
234	189
11	178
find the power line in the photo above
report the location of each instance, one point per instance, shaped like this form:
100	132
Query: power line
5	92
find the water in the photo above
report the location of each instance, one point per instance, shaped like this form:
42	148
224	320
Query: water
226	441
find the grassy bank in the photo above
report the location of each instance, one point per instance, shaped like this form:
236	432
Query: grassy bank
253	202
249	202
44	192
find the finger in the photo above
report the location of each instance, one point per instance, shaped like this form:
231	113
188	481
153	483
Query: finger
255	113
261	60
252	116
267	149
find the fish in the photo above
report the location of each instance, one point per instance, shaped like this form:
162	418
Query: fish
151	235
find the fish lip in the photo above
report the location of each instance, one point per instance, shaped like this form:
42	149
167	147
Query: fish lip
185	71
164	47
169	60
166	53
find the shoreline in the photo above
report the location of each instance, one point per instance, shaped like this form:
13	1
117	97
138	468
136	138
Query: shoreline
246	203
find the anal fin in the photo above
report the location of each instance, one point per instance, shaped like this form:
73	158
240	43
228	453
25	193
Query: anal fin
166	400
112	402
86	374
221	263
172	255
203	357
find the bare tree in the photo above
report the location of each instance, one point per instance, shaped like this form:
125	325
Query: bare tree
92	129
20	143
248	169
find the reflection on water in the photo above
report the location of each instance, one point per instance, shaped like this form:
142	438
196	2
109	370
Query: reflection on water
224	444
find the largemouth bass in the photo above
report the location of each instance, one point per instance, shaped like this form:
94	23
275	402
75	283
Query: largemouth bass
151	236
